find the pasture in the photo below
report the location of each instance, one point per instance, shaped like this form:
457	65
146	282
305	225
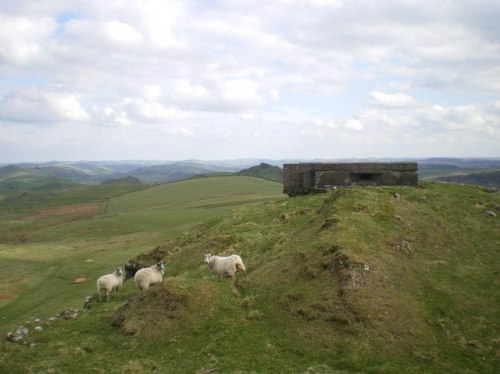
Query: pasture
83	233
357	280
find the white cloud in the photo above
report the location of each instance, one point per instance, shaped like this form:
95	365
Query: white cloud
397	100
33	105
66	106
156	112
189	92
274	93
310	77
354	124
159	18
24	40
241	93
123	33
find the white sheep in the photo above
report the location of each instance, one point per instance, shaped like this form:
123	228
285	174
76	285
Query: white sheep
109	282
148	276
225	265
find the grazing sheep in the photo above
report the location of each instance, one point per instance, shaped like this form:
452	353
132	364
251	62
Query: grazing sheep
148	276
109	282
225	265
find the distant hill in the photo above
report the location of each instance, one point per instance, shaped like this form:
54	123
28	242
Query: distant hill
265	171
176	171
10	171
15	180
462	162
97	172
485	178
126	180
153	172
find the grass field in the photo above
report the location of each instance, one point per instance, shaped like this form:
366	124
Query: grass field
59	243
358	280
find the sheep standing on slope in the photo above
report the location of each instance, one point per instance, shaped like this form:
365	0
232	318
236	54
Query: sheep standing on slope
109	282
148	276
225	265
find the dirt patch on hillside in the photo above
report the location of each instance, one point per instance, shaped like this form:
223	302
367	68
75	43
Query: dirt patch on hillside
81	278
75	209
11	288
154	311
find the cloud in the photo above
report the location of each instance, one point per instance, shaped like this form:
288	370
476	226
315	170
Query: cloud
123	33
33	105
23	40
66	106
290	78
397	100
242	93
354	124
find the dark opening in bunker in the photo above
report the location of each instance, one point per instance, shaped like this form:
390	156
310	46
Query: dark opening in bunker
366	178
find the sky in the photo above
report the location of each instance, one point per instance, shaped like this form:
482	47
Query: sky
230	79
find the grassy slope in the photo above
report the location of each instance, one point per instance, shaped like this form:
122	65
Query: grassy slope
479	176
266	171
57	248
352	281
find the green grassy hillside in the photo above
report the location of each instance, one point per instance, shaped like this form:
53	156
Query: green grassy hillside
371	280
15	181
176	171
488	178
46	244
482	173
266	171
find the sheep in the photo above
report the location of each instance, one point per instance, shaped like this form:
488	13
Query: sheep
225	265
150	275
131	268
109	282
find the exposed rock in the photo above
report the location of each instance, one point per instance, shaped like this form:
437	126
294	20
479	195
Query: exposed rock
22	331
13	337
88	302
68	314
405	247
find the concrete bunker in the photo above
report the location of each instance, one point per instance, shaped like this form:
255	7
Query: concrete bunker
306	178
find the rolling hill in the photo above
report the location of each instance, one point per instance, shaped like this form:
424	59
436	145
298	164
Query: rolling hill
479	172
358	280
176	171
470	171
265	171
15	181
97	172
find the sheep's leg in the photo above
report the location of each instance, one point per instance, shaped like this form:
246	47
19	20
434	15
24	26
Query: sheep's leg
107	295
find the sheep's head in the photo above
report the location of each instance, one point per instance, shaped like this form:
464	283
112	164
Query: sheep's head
120	272
160	266
208	258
